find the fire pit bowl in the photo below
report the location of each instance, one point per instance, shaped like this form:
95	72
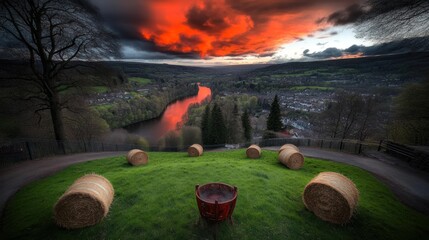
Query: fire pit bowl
216	201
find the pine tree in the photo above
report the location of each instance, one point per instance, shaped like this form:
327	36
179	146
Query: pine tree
245	122
233	122
217	126
205	127
274	122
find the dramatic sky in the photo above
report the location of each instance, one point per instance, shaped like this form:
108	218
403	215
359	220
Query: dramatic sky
210	32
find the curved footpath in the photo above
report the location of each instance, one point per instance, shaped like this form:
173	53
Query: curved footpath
17	176
409	185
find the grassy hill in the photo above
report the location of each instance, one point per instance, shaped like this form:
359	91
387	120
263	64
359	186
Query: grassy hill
157	201
399	63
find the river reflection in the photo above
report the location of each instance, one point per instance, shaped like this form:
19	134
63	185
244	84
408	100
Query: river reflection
173	117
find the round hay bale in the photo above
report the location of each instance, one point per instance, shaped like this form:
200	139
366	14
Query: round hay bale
288	146
291	158
254	151
85	203
137	157
195	150
332	197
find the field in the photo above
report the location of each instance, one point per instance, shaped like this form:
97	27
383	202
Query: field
139	80
157	201
99	89
301	88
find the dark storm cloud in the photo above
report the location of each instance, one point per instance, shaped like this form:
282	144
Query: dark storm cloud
402	46
349	15
134	49
212	27
221	27
190	40
208	18
268	54
395	47
365	10
229	43
123	17
378	7
355	49
327	53
258	9
131	53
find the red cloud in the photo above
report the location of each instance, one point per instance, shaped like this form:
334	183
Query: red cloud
232	27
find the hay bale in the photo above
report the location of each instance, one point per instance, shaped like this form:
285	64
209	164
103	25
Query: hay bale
254	151
291	158
85	203
332	197
195	150
137	157
288	146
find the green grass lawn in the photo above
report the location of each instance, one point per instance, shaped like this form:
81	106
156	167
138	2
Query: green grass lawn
99	89
139	80
300	88
157	201
91	89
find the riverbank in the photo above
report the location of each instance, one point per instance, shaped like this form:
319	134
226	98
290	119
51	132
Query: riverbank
172	118
143	106
144	121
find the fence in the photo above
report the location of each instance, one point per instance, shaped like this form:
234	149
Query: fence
29	149
19	150
415	158
349	146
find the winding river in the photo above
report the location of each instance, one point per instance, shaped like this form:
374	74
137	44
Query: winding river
173	118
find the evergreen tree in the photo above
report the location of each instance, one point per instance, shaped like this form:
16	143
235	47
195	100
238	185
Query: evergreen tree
205	126
245	122
217	126
274	122
234	128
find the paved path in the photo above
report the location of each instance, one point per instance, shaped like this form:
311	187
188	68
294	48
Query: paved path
15	177
410	186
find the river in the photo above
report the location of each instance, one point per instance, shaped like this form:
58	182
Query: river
173	118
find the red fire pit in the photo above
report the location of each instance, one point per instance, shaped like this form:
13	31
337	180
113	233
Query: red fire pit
216	201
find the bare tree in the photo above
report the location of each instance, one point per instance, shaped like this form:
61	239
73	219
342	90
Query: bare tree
337	114
353	104
388	20
367	118
348	116
330	121
52	34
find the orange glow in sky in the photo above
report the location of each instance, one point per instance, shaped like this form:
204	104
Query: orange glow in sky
230	28
357	55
